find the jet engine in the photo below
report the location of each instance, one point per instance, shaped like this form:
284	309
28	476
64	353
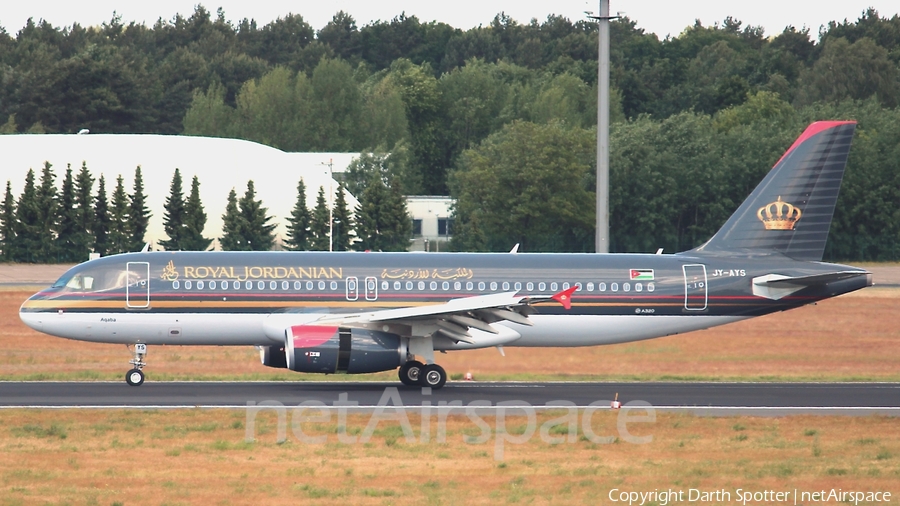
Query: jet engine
273	356
324	349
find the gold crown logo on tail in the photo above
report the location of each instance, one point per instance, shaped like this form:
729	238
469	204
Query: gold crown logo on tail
779	215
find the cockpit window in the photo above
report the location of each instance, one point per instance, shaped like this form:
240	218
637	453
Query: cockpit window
98	279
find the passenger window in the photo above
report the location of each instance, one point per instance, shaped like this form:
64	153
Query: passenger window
590	287
421	285
493	286
481	286
445	285
542	286
187	285
554	286
457	286
529	286
469	285
260	285
212	285
199	285
650	287
309	286
601	287
397	285
175	285
409	285
321	285
236	285
385	285
298	285
518	286
505	286
334	285
626	287
638	287
433	285
285	285
566	286
614	287
577	287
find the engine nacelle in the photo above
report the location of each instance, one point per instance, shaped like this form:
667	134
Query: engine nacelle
314	348
273	356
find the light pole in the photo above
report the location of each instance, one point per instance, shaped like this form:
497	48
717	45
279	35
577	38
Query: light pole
330	165
601	238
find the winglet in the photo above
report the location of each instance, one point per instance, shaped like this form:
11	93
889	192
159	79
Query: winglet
565	297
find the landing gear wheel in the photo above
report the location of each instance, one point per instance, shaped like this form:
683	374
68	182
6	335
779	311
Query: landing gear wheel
410	372
433	376
134	377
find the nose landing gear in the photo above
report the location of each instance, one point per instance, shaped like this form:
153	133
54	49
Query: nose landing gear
135	377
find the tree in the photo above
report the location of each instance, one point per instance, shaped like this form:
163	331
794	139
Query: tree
298	233
343	222
138	213
66	220
233	226
526	184
46	215
118	231
8	226
421	98
382	221
101	219
174	215
27	219
194	221
259	233
319	228
335	104
84	213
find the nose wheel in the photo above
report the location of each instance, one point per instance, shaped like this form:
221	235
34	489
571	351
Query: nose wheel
135	377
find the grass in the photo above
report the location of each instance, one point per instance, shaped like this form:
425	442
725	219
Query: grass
210	461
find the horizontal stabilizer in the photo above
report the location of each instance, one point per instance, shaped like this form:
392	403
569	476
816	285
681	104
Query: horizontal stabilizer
777	286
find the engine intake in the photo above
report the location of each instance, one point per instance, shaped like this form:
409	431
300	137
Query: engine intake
322	349
273	356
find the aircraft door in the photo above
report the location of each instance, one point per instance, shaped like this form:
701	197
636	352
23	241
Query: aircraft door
695	287
352	288
137	289
371	288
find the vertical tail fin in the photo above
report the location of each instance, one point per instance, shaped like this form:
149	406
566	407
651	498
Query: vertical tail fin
790	211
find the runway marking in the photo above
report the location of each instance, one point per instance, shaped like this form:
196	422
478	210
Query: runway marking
462	409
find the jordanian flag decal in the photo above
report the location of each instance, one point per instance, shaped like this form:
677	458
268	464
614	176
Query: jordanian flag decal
642	274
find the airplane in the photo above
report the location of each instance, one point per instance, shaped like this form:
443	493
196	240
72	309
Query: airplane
357	312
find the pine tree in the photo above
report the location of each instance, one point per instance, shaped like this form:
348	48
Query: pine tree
260	233
233	226
46	216
319	227
8	226
369	215
118	231
173	217
399	222
66	220
27	228
194	221
138	214
83	239
101	219
298	233
343	222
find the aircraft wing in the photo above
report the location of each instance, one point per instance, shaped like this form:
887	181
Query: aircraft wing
455	317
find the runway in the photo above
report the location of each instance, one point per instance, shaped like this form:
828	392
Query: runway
702	398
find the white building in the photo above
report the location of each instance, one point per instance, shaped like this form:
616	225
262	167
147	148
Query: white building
432	221
220	165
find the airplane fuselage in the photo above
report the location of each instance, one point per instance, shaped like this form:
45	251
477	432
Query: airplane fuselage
249	298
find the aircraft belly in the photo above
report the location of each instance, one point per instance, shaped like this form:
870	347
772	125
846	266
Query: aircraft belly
592	330
149	328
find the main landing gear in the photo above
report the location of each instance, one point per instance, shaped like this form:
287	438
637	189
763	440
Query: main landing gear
135	377
415	373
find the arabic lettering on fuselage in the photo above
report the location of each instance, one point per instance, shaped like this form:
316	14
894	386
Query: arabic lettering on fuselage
444	274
